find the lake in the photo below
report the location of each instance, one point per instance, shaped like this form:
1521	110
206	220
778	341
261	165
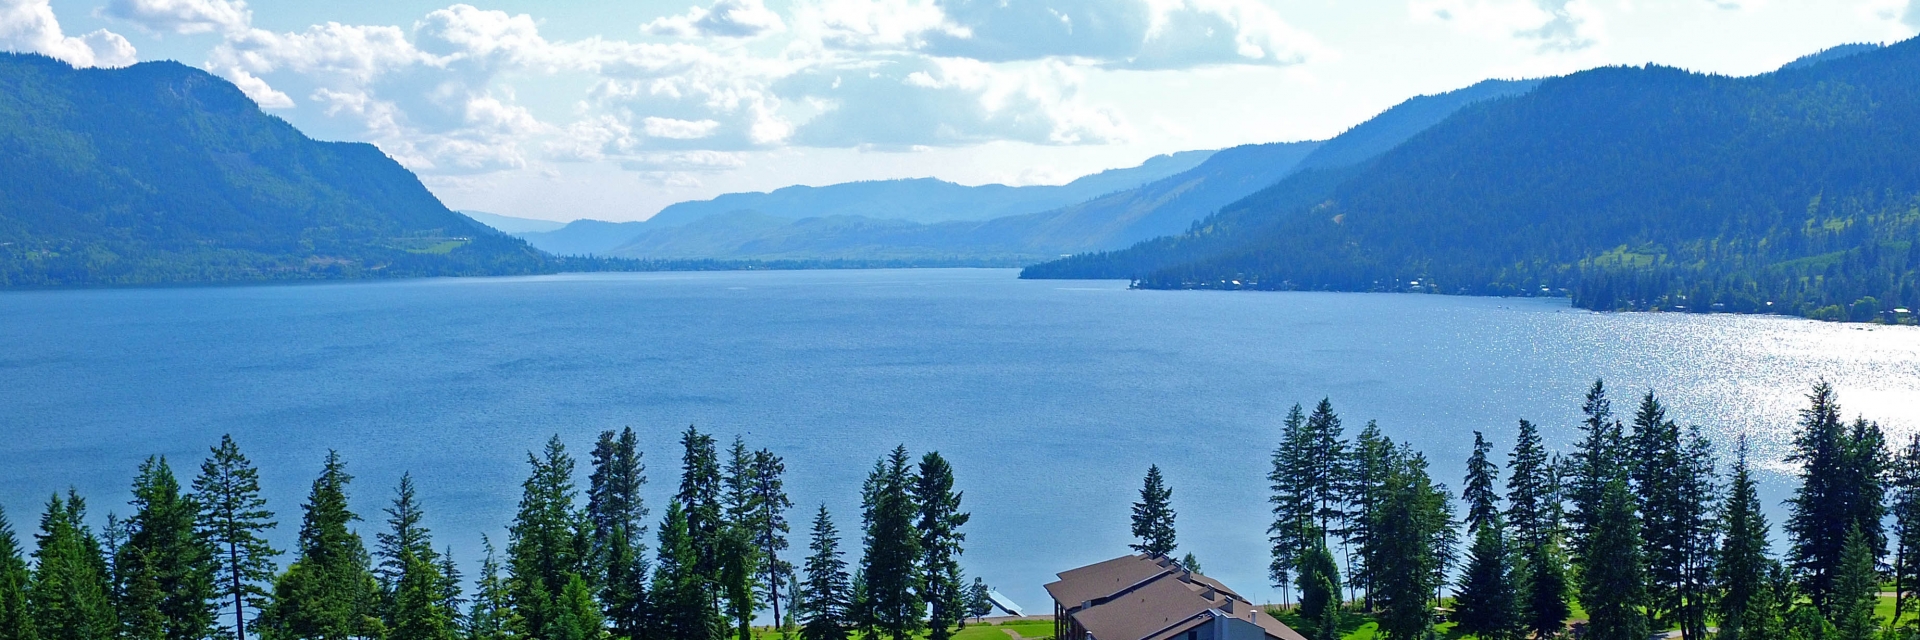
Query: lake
1051	398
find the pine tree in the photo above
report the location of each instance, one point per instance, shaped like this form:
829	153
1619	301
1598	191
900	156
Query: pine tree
234	519
617	514
1601	456
1413	527
701	486
546	546
1153	516
1374	457
329	591
405	542
825	606
1841	488
1743	571
1292	500
1613	584
1487	604
890	561
1905	482
451	596
1319	583
1532	510
770	526
68	596
1855	591
1673	478
418	610
15	623
490	617
1326	456
682	604
940	519
740	557
165	568
1483	505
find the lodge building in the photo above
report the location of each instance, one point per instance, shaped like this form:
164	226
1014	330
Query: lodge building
1141	597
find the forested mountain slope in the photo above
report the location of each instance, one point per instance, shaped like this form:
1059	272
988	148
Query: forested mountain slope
1625	187
161	173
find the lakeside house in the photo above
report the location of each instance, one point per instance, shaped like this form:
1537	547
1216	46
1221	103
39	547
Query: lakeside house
1142	597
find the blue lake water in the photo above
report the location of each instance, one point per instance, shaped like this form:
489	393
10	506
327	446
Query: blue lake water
1051	398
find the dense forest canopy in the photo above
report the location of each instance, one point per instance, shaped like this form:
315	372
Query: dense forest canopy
1796	191
162	173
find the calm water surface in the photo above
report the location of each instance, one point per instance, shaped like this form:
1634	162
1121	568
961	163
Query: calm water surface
1051	398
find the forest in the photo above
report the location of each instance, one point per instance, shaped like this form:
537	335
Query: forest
193	562
1621	188
1641	528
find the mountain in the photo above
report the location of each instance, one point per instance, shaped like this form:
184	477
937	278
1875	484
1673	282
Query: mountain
927	200
161	173
920	200
510	224
1115	220
1796	191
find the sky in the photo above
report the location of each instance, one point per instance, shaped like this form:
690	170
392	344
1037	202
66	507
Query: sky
613	109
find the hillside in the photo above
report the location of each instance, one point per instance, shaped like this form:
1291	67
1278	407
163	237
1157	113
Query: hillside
161	173
1796	191
917	201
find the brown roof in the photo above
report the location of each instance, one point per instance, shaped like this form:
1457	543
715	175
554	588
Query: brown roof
1103	579
1152	599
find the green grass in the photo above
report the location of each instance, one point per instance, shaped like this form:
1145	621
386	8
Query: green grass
440	249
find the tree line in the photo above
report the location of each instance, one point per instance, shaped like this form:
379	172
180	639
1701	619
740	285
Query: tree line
193	562
1638	526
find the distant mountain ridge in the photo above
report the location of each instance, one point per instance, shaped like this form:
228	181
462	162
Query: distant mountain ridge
1162	207
160	173
920	200
1796	191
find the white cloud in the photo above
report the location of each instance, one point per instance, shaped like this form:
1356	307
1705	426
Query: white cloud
725	19
953	101
679	129
868	25
183	16
1554	25
30	26
1912	15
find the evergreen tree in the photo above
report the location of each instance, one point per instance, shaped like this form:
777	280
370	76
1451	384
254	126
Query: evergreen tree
165	568
1532	517
700	491
890	562
419	610
491	615
68	595
1413	526
1856	590
1153	516
825	606
1319	583
1483	505
1373	459
683	607
329	592
1841	489
769	525
940	520
405	542
1673	477
1905	482
1326	455
546	547
1487	604
1191	563
1613	584
1292	500
617	514
451	585
1601	456
979	599
15	623
234	519
740	557
1744	571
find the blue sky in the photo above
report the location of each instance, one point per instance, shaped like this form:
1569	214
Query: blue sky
564	109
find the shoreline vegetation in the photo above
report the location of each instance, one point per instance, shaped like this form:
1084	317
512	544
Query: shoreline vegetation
1641	526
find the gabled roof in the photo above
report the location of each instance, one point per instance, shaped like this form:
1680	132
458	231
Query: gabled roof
1104	579
1142	597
